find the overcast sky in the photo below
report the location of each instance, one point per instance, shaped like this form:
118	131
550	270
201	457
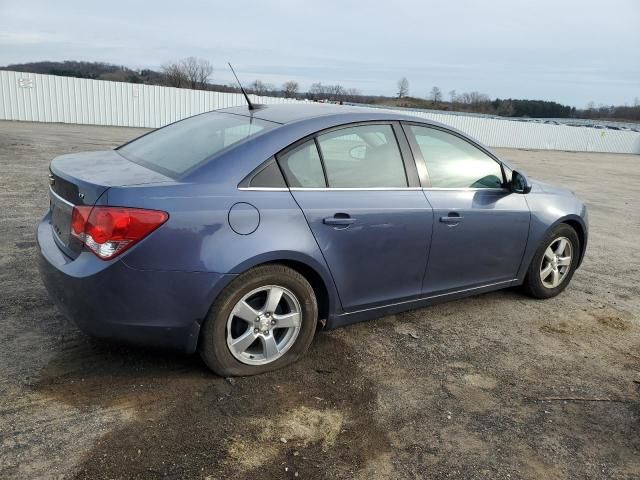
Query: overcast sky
570	51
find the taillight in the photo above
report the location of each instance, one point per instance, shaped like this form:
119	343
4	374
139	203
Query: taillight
109	231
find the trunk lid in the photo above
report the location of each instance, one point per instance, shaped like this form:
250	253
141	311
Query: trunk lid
81	179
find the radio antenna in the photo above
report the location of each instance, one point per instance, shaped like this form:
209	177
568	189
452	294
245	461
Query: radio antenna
251	105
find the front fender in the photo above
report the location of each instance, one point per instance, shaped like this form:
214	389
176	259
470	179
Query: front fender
547	211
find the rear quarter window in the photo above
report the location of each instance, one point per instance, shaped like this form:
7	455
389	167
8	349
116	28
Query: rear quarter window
179	147
302	166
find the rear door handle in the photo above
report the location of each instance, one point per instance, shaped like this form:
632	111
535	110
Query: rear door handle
451	219
339	219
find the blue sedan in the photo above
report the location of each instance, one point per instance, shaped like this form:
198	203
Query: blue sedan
238	233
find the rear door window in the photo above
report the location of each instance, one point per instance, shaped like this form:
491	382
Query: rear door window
365	156
179	147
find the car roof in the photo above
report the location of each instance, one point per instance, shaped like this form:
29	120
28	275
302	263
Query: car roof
286	113
299	120
318	116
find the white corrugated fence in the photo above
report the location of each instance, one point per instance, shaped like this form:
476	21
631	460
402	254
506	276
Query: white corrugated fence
50	98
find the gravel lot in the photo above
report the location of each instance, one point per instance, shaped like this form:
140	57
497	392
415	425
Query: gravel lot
494	386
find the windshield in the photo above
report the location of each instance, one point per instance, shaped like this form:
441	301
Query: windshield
177	148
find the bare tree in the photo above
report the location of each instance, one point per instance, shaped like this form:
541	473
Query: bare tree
403	87
435	95
174	76
290	89
318	91
198	72
336	91
453	96
190	72
474	102
473	98
260	88
352	95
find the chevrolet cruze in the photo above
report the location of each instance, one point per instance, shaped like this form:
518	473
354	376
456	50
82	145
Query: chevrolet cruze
239	232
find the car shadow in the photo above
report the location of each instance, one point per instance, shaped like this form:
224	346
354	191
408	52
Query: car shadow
89	372
174	418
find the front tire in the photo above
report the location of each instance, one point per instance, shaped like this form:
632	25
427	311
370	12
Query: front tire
263	320
554	263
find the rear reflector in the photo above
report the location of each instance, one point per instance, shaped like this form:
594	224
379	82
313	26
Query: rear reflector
109	231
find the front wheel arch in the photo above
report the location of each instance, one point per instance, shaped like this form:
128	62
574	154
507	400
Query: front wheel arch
580	231
539	231
534	283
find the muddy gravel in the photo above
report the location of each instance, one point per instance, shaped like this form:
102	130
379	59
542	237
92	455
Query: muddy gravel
493	386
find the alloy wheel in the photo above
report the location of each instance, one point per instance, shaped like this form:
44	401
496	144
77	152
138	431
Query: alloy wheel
556	262
264	325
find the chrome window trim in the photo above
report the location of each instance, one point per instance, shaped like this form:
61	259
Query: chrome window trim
382	189
329	189
60	198
263	189
467	189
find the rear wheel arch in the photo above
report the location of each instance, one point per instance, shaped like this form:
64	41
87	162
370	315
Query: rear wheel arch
324	289
256	346
317	283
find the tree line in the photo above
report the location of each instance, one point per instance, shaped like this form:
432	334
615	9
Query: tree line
196	73
477	102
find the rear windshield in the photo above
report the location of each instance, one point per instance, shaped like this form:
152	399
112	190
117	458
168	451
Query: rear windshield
176	148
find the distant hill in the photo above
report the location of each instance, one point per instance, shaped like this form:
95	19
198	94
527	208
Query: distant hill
92	70
101	71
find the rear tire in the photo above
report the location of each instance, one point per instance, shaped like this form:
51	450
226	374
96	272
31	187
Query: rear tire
246	333
554	263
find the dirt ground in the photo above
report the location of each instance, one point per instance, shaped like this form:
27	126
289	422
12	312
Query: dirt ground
493	386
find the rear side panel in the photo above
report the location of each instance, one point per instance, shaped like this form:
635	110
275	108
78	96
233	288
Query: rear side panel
198	236
109	299
82	179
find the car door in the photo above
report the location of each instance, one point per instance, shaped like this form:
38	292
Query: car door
480	228
360	194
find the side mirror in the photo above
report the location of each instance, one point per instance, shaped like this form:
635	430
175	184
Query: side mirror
519	183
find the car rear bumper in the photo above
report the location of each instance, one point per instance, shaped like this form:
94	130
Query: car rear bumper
114	301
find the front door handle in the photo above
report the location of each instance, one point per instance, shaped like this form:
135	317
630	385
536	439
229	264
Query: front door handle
343	219
451	219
